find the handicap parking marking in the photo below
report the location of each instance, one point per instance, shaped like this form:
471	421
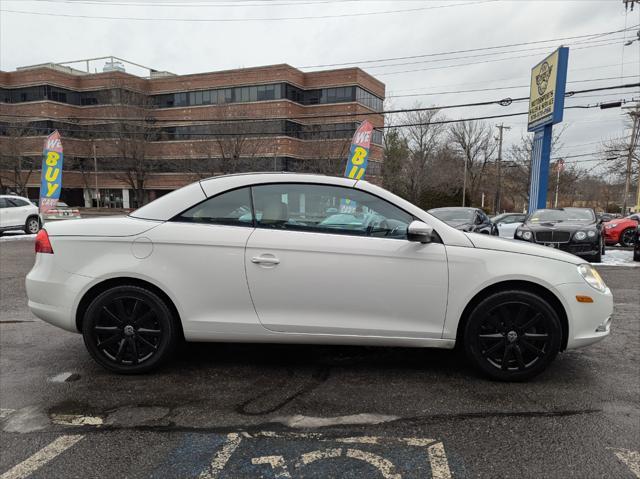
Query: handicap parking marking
288	455
42	457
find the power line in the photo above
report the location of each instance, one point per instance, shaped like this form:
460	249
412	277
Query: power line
517	57
451	52
500	88
250	19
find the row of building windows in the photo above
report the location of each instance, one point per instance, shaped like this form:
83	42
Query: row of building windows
219	96
261	129
205	166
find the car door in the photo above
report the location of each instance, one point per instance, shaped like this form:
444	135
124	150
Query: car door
4	213
508	225
12	212
199	257
334	260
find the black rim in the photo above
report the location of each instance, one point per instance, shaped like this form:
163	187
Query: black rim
627	238
127	330
514	336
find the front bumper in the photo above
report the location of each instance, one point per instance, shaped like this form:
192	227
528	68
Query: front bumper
588	322
578	249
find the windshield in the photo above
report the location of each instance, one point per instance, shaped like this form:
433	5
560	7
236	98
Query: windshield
566	214
454	215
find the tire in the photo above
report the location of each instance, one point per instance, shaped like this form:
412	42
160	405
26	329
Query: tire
32	225
512	335
626	237
129	330
636	255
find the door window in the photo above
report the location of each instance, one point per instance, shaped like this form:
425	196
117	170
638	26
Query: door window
18	202
328	209
3	203
232	208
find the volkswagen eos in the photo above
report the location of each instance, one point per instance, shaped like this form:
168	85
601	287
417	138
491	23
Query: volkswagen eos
254	258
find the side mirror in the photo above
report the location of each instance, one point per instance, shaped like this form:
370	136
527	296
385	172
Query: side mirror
419	232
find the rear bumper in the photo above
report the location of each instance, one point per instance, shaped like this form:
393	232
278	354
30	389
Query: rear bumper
588	322
52	292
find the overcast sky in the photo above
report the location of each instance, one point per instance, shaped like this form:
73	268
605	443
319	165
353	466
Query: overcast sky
339	31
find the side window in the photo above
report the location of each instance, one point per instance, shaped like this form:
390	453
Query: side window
328	209
18	202
232	208
3	203
11	203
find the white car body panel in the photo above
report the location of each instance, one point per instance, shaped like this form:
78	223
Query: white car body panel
317	287
507	230
16	216
327	288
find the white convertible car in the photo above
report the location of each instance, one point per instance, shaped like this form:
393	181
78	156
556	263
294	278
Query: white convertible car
292	258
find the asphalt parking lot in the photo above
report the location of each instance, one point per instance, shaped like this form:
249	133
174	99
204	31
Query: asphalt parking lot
244	411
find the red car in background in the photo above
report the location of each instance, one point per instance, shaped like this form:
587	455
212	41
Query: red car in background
621	230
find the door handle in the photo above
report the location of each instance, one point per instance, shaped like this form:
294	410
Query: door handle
265	260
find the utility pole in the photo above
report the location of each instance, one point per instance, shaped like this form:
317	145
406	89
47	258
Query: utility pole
559	168
496	206
95	173
464	182
632	146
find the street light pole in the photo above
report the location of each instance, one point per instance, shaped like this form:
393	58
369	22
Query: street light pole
464	182
496	208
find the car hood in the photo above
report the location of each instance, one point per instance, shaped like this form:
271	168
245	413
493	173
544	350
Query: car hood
496	243
559	226
112	226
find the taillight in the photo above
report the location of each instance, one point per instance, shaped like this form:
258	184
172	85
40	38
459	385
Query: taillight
43	245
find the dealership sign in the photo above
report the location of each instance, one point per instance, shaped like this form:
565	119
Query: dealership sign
546	106
546	97
359	153
51	180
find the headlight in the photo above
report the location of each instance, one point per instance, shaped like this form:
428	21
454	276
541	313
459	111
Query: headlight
580	235
592	277
614	225
527	235
591	234
519	234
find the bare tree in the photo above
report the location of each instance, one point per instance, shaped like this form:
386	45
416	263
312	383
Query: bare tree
15	167
423	136
474	142
133	136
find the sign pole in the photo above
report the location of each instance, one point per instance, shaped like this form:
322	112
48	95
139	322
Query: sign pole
546	107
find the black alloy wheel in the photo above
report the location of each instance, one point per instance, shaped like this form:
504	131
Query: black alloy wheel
512	335
626	237
129	330
32	225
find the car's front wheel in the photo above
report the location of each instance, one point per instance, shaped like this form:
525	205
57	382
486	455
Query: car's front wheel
128	329
512	335
626	237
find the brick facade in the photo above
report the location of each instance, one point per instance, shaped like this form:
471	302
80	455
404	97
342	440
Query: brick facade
277	150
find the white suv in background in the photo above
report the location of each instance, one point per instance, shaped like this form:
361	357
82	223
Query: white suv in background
18	213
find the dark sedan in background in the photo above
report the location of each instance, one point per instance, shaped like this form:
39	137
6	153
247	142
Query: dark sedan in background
472	220
574	230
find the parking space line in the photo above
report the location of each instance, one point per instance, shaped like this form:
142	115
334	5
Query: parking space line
221	457
438	460
631	459
4	412
40	458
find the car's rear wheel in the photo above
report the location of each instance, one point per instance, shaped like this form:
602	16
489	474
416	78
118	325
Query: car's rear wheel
128	329
626	237
32	225
512	335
